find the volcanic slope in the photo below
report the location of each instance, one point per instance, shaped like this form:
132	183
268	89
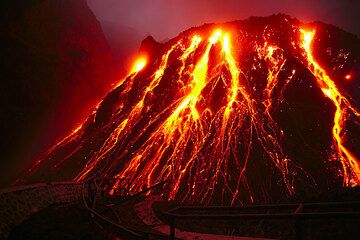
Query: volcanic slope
246	111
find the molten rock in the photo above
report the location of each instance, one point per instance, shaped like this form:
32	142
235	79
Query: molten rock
245	111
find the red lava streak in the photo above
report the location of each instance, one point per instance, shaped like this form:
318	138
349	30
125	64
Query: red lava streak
349	162
203	137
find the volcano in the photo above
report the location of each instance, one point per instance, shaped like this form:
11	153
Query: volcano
257	110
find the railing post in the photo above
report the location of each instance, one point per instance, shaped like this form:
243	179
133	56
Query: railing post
298	229
172	229
89	190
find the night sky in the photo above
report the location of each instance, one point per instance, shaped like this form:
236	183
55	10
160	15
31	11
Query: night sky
167	18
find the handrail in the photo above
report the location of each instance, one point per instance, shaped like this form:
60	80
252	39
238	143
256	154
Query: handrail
135	232
298	215
35	185
150	188
104	218
269	206
267	215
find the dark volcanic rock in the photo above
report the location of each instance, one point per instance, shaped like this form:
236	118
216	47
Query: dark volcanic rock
124	42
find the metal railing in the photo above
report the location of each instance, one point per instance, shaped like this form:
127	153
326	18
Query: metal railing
95	188
91	200
298	212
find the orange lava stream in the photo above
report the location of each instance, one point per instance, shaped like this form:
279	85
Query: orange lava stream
195	145
176	126
125	126
350	163
181	143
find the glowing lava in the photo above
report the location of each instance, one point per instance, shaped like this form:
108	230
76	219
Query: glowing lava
139	64
349	162
197	118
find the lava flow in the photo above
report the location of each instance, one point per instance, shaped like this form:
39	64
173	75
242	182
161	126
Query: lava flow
349	162
207	115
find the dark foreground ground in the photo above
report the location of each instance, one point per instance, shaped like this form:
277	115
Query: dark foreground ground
60	221
74	221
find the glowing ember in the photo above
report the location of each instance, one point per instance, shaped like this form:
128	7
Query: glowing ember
203	122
